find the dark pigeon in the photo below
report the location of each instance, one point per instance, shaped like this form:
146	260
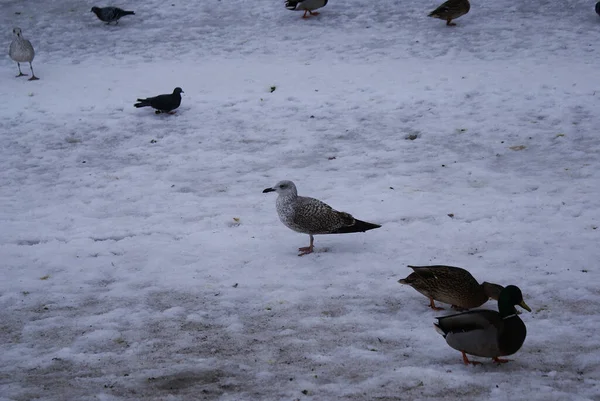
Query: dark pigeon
163	103
110	14
598	8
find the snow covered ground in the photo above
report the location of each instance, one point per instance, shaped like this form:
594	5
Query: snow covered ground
141	260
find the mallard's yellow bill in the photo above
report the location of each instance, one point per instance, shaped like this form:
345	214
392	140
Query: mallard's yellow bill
523	305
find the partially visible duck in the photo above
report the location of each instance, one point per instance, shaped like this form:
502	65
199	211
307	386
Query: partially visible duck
307	5
450	10
452	285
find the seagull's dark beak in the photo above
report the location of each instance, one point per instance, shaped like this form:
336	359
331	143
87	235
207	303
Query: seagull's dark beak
268	190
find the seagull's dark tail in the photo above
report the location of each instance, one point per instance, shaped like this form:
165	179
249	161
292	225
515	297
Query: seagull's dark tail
142	103
359	226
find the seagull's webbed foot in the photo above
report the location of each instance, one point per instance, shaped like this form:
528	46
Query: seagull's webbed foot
21	75
33	78
307	249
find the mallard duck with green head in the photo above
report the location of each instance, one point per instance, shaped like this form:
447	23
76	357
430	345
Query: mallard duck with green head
487	333
450	10
452	285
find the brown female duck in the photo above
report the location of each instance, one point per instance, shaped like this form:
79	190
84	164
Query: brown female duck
452	285
452	9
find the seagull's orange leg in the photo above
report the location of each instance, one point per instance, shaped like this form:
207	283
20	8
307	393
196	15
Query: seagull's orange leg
307	249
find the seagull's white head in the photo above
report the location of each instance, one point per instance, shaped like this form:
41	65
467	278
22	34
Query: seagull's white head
283	188
17	32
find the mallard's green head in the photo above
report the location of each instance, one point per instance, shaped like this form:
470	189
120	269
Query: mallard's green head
509	297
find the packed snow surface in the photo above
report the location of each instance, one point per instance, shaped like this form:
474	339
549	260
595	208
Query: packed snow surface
140	259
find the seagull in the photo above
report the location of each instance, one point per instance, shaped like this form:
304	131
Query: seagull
110	14
163	103
311	216
22	51
307	5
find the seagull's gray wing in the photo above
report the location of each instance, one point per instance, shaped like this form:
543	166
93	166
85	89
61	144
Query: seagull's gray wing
315	217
